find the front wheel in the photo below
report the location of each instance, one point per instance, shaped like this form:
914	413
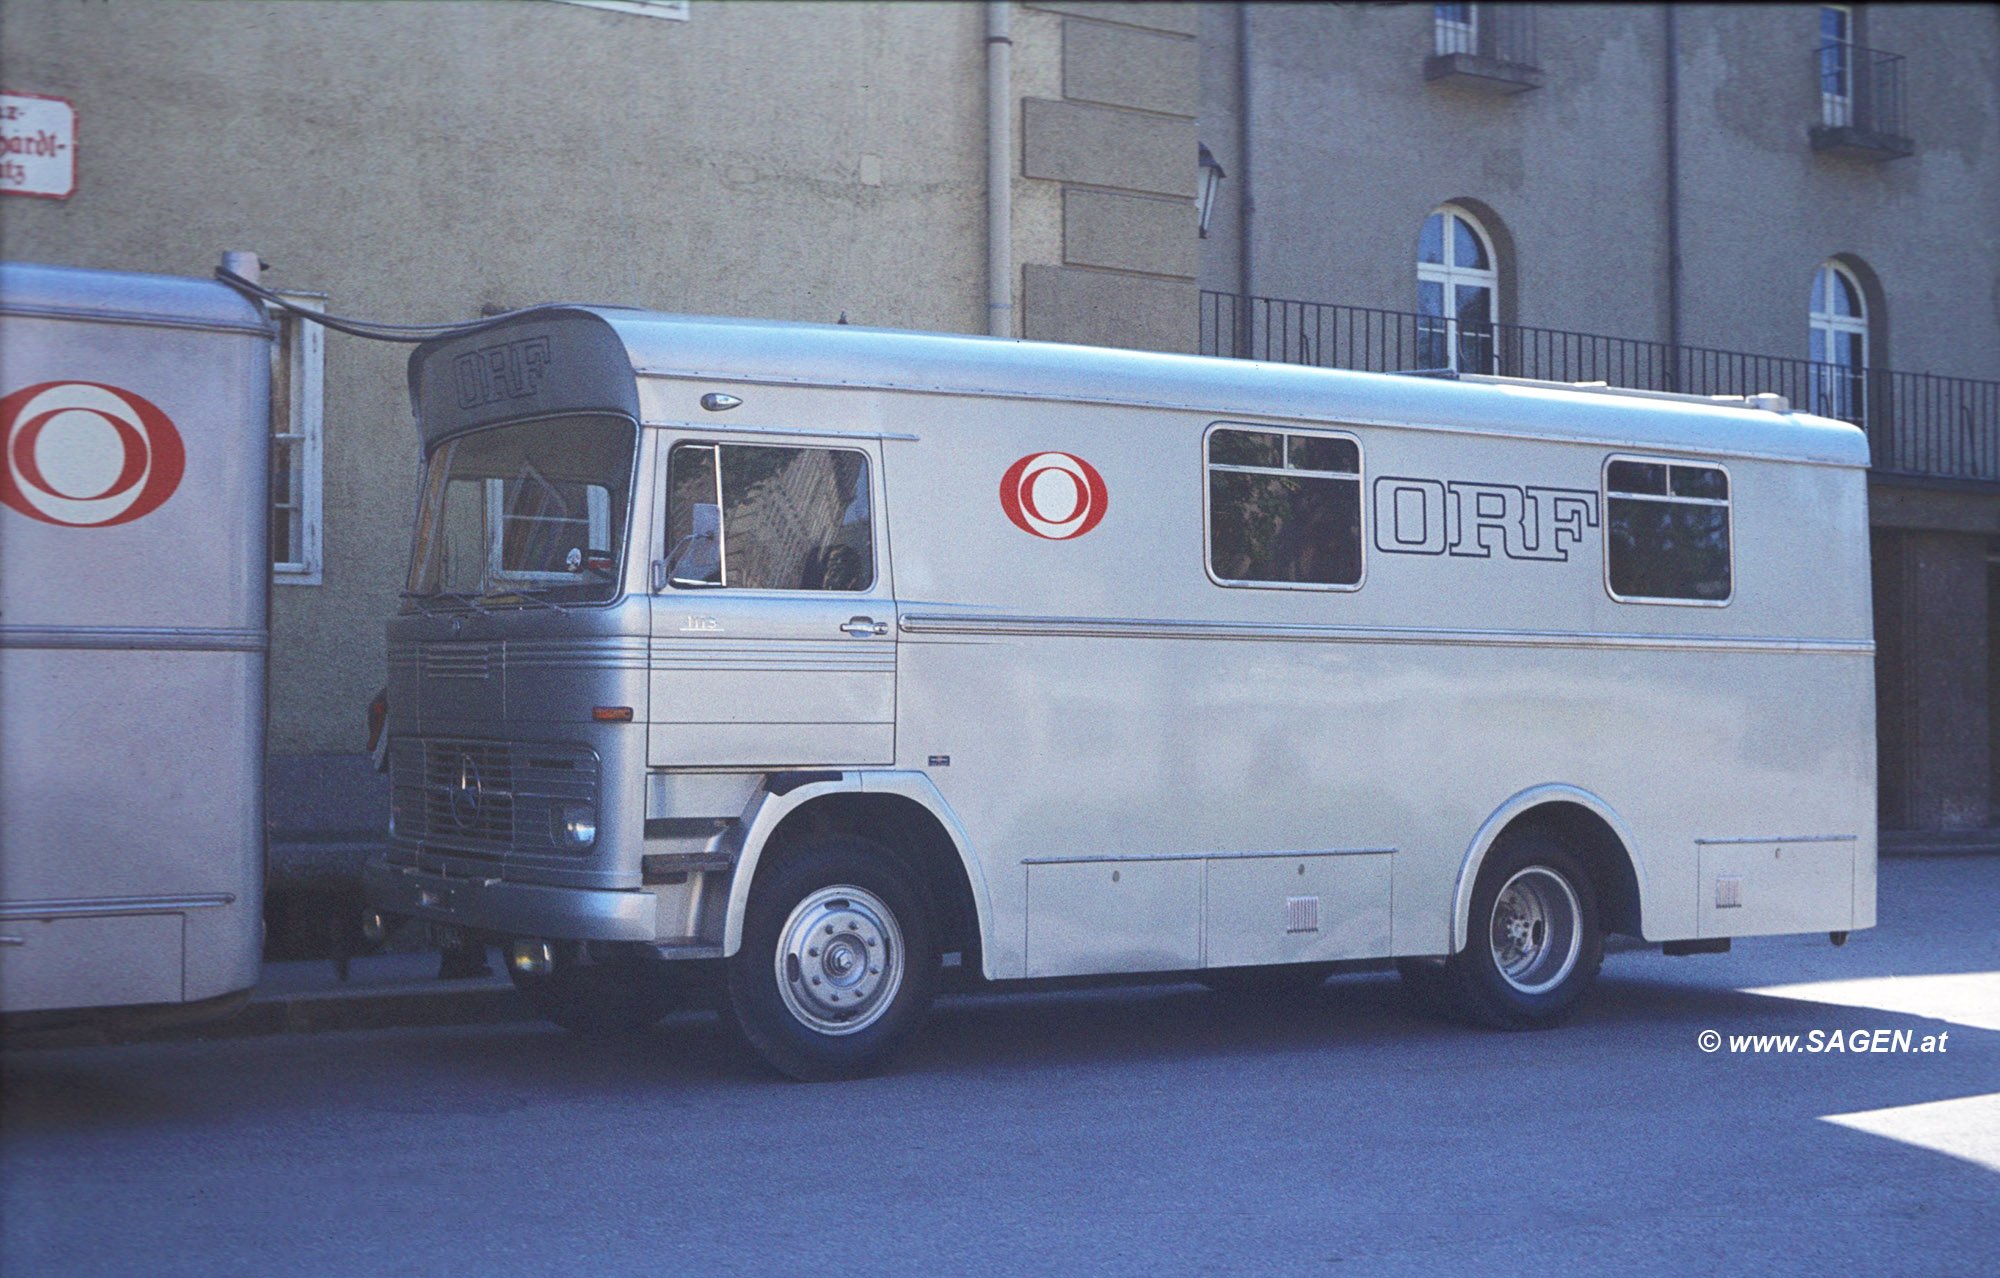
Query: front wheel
838	963
1536	941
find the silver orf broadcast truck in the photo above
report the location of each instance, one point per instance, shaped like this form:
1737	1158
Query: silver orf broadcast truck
135	429
818	658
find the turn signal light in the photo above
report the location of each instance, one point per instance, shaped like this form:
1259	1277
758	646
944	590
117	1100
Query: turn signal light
612	714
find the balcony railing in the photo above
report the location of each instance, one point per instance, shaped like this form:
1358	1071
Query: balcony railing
1860	101
1484	46
1918	424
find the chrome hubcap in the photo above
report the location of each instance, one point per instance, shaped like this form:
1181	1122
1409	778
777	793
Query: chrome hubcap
1536	934
840	960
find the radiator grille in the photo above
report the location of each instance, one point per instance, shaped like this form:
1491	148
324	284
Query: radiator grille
487	798
458	660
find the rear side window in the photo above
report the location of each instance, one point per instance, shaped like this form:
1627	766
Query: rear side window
1667	531
1284	509
769	518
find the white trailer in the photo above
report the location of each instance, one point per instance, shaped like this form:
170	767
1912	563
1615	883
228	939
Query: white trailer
815	653
134	472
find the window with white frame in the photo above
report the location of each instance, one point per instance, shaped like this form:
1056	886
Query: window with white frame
1836	65
1666	535
1284	509
1458	293
1457	28
298	370
1839	329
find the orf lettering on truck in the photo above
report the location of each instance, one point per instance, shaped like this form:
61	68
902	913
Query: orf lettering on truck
1474	519
87	455
507	370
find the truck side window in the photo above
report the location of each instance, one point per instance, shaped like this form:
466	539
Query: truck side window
1283	509
1667	531
760	517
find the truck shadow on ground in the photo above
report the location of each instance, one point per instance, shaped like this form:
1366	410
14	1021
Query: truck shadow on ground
1362	1019
1359	1026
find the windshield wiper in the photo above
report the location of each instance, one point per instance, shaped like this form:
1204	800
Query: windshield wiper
416	600
417	597
528	597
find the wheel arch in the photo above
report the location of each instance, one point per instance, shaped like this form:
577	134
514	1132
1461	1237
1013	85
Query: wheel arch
1580	820
900	809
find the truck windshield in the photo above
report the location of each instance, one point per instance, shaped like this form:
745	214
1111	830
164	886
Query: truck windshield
530	512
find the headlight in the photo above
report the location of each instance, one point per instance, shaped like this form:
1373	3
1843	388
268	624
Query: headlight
576	825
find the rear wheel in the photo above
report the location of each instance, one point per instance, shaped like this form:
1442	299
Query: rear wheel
1535	945
600	990
1536	940
838	963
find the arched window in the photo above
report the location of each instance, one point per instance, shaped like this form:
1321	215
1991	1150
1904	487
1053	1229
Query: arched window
1458	293
1839	324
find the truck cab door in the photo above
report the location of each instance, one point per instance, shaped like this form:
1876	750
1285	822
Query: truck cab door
773	617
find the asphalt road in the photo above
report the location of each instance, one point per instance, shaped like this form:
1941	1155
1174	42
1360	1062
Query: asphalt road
1161	1130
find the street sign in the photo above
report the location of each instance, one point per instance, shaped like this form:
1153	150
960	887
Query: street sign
37	146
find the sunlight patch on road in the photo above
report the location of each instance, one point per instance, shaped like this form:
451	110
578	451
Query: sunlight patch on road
1971	999
1967	1128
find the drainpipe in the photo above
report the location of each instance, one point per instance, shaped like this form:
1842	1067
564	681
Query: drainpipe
1246	203
246	265
999	171
1673	199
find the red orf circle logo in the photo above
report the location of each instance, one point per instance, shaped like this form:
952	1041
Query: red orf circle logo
1053	495
86	455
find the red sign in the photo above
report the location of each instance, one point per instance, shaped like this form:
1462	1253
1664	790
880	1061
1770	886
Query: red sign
1053	495
86	455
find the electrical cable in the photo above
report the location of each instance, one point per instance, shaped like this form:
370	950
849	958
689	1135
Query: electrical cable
370	330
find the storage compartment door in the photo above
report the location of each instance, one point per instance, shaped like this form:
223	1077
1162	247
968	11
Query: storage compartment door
1297	909
1114	916
1776	887
114	961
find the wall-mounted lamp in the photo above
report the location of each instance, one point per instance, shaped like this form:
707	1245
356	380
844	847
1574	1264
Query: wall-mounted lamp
1211	178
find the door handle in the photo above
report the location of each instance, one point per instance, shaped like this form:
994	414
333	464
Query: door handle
861	627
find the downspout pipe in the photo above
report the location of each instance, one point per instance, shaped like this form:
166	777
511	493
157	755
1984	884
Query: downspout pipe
1673	111
999	169
1246	171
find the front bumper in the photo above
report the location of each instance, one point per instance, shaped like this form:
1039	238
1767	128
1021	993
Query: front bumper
512	909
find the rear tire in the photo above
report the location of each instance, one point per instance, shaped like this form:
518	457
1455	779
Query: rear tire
839	960
600	991
1536	940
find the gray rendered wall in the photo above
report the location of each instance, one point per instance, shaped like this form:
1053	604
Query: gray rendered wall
1351	147
1114	142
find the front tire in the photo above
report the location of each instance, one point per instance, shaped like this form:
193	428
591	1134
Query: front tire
1536	940
839	961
